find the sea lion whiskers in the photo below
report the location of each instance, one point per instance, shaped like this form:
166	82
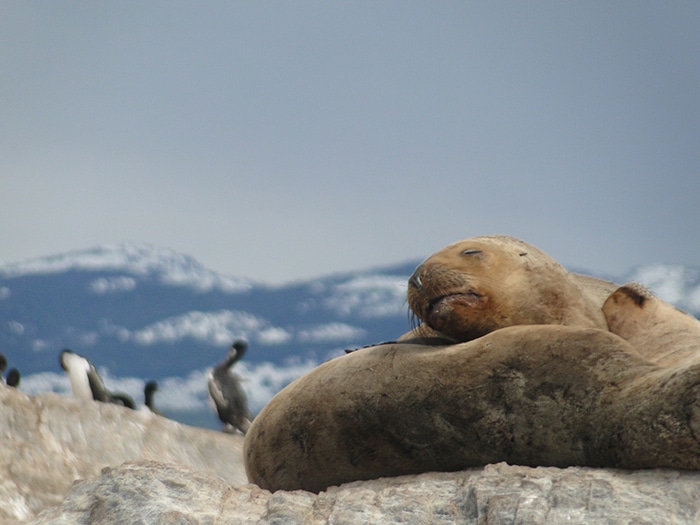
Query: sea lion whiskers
413	321
442	291
419	329
441	284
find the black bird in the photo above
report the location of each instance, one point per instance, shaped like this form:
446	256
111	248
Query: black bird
120	398
227	394
148	391
13	377
86	383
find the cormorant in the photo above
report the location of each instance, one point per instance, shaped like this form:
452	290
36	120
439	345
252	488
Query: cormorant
227	394
86	383
13	377
148	392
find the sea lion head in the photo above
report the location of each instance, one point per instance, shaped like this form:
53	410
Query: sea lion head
478	285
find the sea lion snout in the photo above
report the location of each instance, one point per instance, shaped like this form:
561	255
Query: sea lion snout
430	282
447	301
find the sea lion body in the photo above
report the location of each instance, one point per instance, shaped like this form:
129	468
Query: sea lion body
478	285
524	395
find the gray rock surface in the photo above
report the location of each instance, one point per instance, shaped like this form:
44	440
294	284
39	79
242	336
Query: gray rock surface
48	441
497	494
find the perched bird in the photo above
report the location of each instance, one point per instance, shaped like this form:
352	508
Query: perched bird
13	377
120	398
227	394
148	392
86	383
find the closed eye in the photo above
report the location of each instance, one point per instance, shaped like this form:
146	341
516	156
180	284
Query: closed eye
472	252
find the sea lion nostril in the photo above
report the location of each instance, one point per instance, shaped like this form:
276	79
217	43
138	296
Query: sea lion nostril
415	279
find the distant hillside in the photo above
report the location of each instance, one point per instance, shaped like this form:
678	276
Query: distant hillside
139	312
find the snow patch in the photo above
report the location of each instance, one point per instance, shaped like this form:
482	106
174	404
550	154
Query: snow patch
39	345
369	296
105	285
184	393
330	332
168	266
46	382
216	328
262	381
16	327
273	336
88	339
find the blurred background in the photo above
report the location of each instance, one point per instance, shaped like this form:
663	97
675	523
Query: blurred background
286	140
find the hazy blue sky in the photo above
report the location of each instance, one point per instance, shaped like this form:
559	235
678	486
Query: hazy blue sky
283	140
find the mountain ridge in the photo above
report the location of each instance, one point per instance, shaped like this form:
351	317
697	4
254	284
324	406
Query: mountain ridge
140	312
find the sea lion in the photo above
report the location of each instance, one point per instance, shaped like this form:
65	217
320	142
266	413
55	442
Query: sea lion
478	285
518	361
662	333
530	395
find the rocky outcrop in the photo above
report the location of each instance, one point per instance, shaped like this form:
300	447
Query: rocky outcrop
496	494
48	441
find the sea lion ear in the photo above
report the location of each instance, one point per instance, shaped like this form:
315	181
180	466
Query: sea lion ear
635	292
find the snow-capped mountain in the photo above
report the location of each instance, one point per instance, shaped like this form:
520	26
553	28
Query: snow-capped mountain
140	312
140	260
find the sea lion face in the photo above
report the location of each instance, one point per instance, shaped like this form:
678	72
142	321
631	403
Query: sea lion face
457	290
478	285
